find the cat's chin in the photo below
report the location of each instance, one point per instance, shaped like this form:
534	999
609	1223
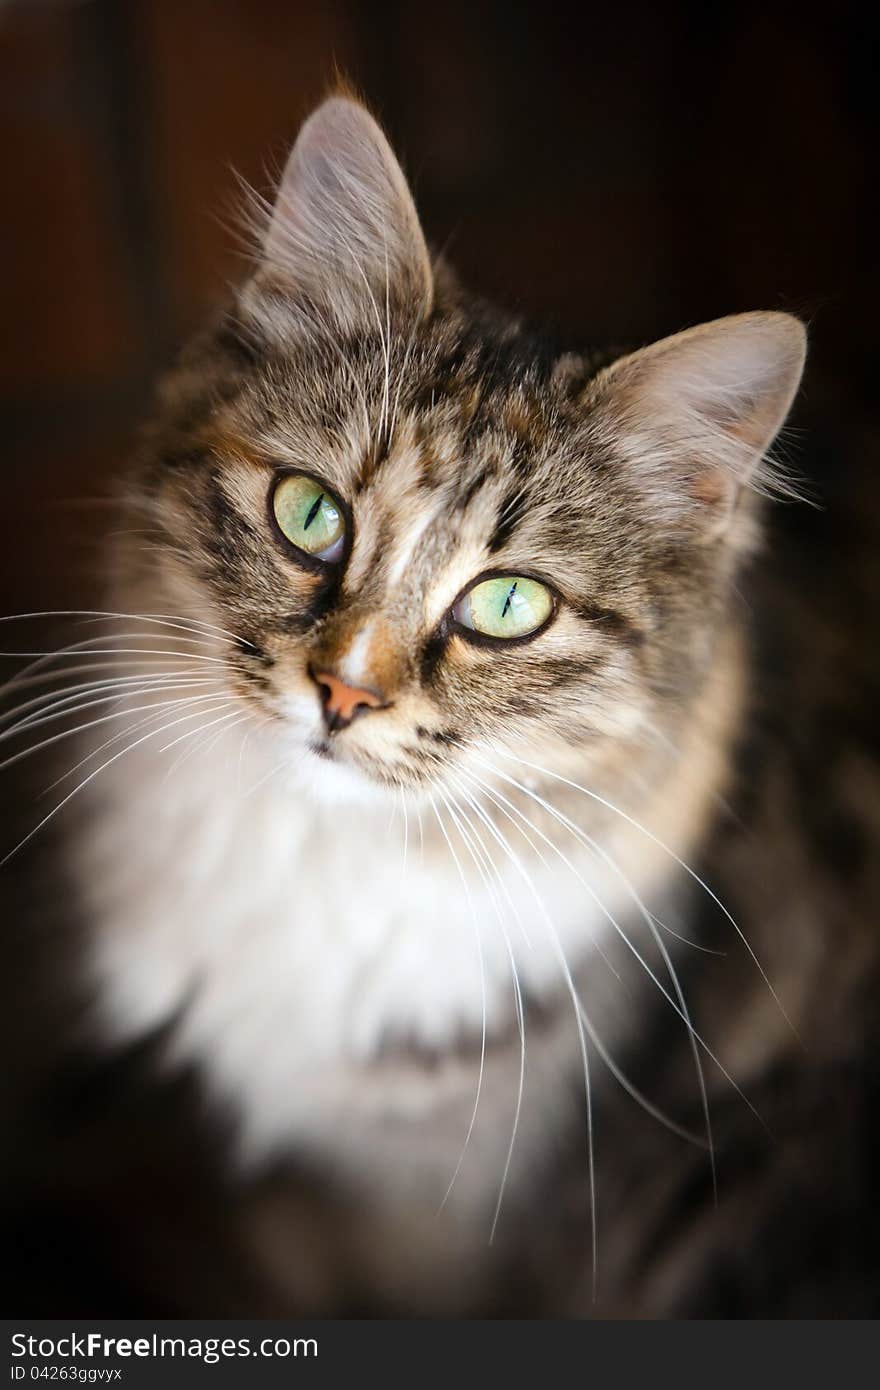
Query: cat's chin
332	781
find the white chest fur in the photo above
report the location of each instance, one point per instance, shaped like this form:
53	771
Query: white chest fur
295	939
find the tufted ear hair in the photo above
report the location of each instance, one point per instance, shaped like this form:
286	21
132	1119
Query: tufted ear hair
344	235
695	414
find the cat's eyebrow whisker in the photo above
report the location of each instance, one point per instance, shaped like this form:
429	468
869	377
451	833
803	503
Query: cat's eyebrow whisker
476	929
386	395
321	331
90	778
585	1060
383	338
401	376
257	215
655	839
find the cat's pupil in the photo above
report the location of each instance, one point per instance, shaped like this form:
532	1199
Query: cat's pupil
313	511
508	599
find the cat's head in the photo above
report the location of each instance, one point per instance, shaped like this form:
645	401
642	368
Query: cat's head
429	531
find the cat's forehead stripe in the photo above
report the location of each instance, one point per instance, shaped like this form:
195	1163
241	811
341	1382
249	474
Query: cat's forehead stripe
403	553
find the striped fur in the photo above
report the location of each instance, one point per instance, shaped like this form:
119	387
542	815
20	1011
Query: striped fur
301	973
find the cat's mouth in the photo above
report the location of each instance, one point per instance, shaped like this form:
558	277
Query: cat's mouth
366	771
329	751
323	748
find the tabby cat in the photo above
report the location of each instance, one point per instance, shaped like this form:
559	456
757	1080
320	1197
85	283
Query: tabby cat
465	922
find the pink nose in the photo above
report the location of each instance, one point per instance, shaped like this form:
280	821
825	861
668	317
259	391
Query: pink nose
341	703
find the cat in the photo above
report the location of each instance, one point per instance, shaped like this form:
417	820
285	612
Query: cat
415	885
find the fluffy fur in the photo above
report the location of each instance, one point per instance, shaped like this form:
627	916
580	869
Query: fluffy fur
259	897
413	955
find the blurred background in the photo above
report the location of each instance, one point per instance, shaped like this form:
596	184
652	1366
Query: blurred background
618	171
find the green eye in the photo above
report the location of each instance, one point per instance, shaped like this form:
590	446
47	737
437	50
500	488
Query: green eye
506	606
309	516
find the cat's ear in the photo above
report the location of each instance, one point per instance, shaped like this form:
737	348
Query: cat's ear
696	413
344	234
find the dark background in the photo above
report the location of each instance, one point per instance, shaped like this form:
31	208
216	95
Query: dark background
618	170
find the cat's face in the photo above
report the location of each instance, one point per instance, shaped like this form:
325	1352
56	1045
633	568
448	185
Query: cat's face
431	534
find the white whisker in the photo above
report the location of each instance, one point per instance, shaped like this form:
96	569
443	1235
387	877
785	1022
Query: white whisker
681	863
681	1011
476	927
569	982
91	724
84	783
520	1013
58	705
184	624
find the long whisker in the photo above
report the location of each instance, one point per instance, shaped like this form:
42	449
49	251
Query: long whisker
267	777
91	724
152	710
627	942
405	834
58	705
615	1070
204	745
190	733
569	982
463	792
184	624
84	649
649	919
84	783
681	863
686	940
489	791
48	697
476	927
520	1013
46	658
252	728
